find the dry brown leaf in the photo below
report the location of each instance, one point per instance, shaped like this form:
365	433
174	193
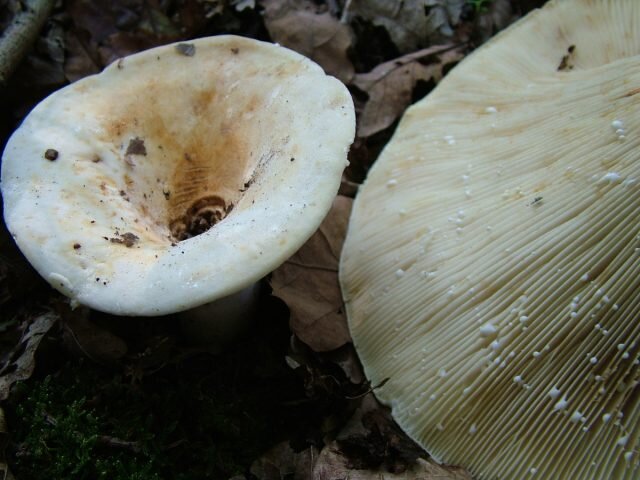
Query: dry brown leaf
79	62
121	44
282	462
320	36
308	283
332	465
411	24
21	363
91	340
390	85
372	447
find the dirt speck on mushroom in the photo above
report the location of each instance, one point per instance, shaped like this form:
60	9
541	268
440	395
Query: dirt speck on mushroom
136	147
565	63
127	239
51	154
186	49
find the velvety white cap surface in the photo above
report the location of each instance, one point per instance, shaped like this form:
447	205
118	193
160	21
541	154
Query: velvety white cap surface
108	181
491	270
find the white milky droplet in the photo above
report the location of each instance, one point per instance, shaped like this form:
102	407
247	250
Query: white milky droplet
554	393
576	417
487	330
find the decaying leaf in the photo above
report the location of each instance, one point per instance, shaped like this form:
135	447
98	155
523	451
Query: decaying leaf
390	84
79	62
21	363
372	447
282	461
372	440
308	283
93	341
318	35
411	23
347	359
112	29
497	16
332	465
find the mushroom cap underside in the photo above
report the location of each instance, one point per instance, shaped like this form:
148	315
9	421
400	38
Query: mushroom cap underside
491	270
112	184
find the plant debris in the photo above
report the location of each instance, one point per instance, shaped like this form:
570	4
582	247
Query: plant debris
21	362
411	24
91	340
391	84
313	32
186	49
308	283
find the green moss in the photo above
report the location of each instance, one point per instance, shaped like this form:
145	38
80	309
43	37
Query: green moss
479	5
204	417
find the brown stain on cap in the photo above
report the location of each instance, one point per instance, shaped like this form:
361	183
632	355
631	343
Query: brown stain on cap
197	145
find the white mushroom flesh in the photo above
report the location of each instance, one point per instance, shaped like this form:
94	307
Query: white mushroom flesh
178	175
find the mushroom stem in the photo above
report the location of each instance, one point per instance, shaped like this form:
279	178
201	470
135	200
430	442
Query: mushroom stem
20	35
216	324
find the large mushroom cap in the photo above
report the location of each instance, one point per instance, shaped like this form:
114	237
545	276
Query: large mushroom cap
111	184
491	270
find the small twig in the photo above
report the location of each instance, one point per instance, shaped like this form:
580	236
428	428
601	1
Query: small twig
173	445
109	441
345	12
21	34
369	390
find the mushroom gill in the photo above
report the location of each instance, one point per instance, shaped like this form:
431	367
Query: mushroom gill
500	297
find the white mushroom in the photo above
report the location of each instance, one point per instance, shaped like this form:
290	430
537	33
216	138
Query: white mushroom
519	176
178	176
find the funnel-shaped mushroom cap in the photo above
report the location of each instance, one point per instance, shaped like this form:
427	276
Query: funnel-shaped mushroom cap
111	184
492	266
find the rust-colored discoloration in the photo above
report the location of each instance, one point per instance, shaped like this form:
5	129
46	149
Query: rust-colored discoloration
202	101
630	93
254	103
196	143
